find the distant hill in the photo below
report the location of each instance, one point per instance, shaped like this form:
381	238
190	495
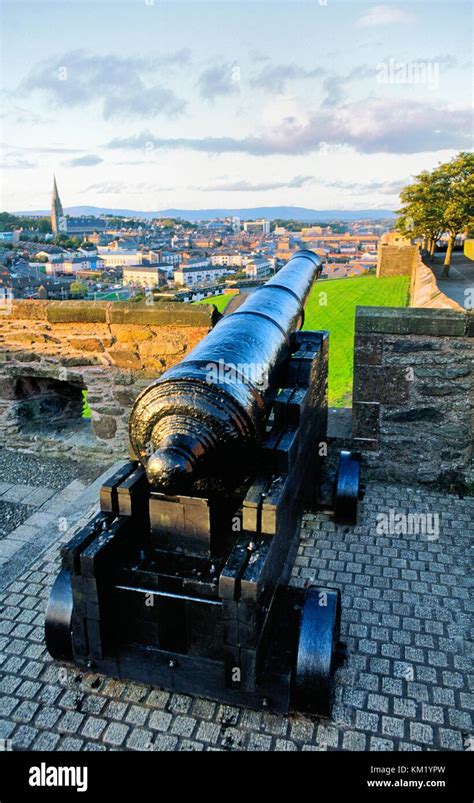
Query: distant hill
269	212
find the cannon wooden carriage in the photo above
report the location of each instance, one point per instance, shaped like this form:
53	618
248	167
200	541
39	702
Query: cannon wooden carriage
182	579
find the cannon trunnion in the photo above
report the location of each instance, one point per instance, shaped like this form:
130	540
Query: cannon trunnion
181	580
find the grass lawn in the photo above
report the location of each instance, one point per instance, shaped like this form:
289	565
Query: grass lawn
343	296
219	301
331	306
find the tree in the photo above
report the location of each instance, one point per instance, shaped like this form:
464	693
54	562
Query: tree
422	210
457	177
78	289
437	202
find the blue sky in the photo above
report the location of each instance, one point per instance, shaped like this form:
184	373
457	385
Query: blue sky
146	104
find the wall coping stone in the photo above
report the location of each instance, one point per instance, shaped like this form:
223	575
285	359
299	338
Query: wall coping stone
118	312
413	321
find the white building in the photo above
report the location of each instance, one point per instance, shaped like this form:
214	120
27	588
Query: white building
199	272
257	226
120	258
228	260
258	267
142	275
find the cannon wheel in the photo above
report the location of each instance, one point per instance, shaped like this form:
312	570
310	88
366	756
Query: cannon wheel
57	628
316	658
347	491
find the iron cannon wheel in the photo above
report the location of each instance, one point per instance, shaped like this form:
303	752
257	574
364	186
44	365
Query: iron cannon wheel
347	490
57	628
316	658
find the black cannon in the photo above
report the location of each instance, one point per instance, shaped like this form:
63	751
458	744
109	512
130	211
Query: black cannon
181	579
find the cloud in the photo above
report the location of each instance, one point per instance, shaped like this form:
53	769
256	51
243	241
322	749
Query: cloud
368	126
84	161
12	161
335	86
42	149
248	186
382	187
126	86
385	15
275	79
147	103
219	80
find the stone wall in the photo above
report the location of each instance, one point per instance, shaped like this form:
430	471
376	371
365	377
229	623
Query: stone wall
413	400
424	291
396	260
51	351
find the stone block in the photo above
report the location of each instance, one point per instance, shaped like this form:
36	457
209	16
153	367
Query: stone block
365	419
125	358
86	343
104	427
368	349
162	345
77	311
169	314
410	321
384	384
29	310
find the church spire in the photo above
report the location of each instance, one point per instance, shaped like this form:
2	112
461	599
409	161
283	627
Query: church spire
58	220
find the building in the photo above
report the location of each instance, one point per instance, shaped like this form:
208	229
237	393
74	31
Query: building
143	275
115	257
199	272
171	257
74	226
82	226
257	226
234	260
58	218
67	264
10	237
259	267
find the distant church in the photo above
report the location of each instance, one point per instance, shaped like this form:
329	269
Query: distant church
78	226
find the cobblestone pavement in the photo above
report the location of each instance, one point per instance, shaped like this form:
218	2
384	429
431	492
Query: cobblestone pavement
405	685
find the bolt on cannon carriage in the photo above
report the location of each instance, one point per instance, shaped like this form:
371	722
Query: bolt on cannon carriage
182	579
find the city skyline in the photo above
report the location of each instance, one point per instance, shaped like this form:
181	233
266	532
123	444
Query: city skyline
230	104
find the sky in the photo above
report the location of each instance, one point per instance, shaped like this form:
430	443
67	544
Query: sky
147	105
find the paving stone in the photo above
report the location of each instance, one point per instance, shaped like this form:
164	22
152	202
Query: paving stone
421	733
160	720
183	726
366	721
377	702
140	739
46	741
392	726
405	685
93	727
353	740
450	739
376	743
115	733
259	741
404	708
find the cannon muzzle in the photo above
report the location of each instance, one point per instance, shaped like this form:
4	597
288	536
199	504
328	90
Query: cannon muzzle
203	418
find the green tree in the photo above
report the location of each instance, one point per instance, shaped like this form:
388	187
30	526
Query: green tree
78	289
440	201
422	208
457	178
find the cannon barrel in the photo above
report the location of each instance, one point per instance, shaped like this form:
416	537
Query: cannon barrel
200	421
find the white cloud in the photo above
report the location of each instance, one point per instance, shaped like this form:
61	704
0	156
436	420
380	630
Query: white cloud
385	15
